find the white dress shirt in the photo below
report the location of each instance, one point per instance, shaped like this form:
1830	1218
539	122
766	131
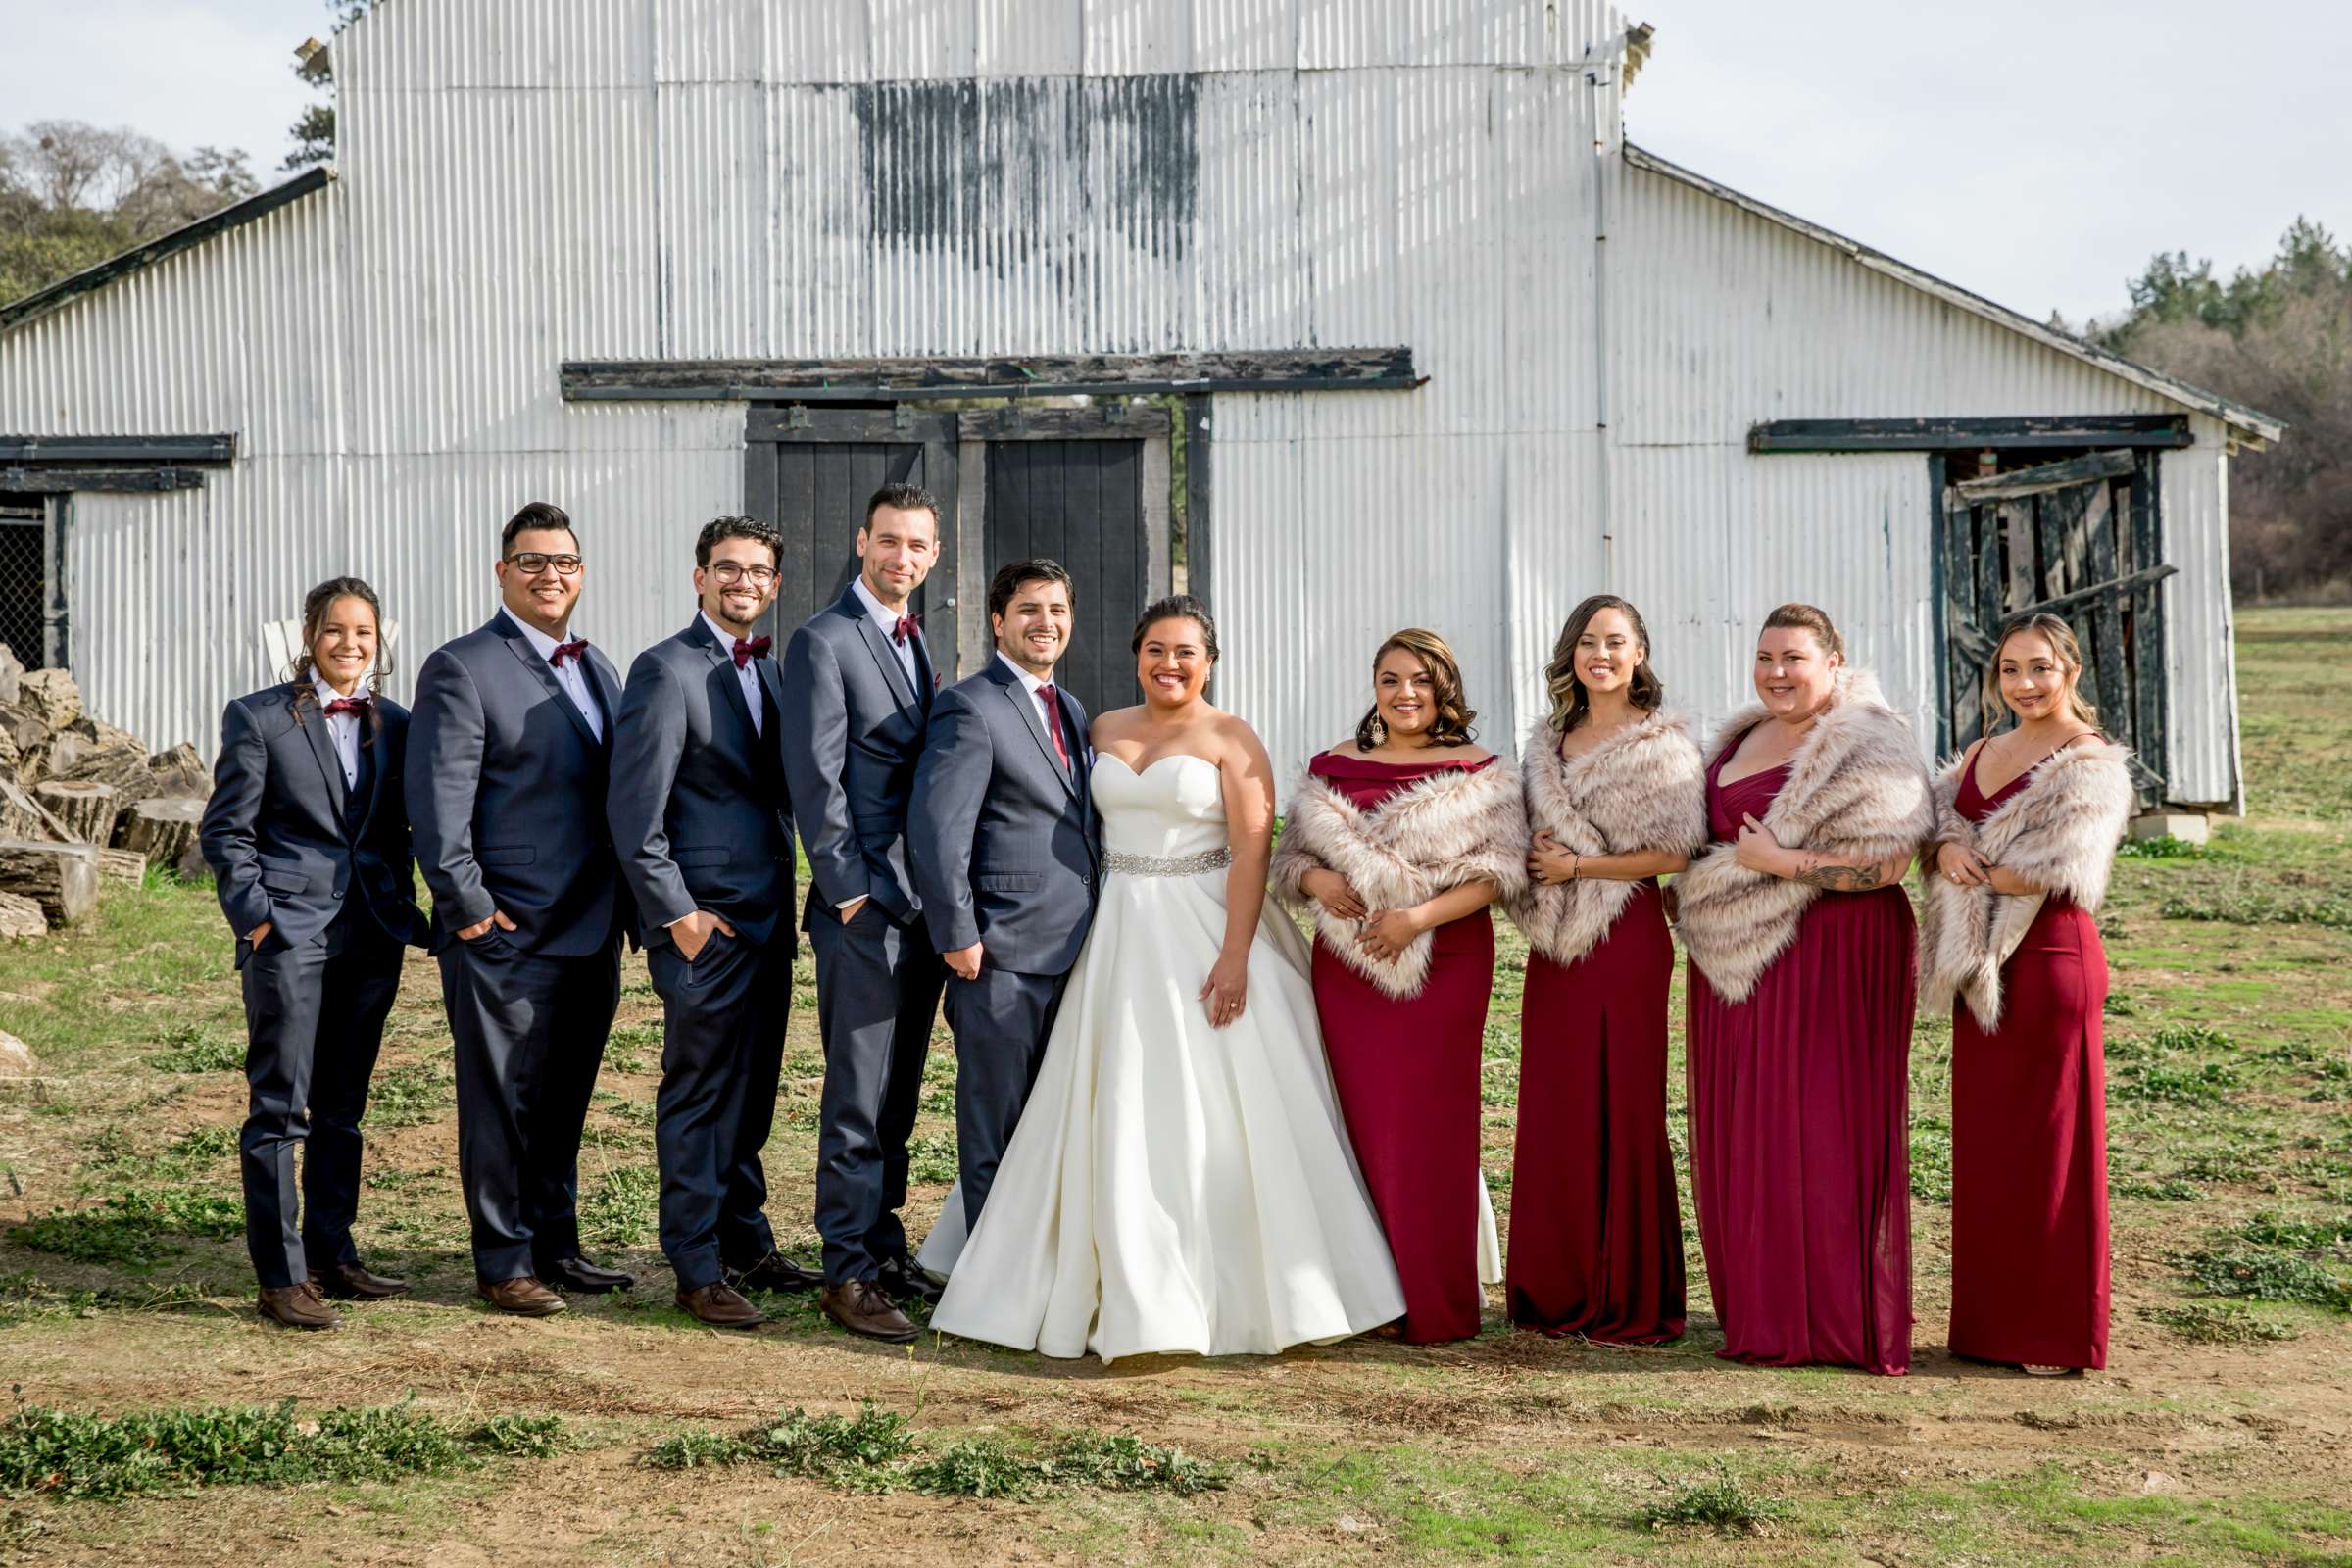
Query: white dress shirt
745	675
887	619
571	675
1055	720
341	728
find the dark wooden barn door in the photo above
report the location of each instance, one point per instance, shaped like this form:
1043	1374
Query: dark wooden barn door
809	472
1081	503
2076	537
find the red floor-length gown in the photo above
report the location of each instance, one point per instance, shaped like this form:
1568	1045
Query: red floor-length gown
1799	1099
1406	1072
2029	1143
1596	1238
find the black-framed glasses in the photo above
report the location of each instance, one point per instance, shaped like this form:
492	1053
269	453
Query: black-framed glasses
531	562
730	572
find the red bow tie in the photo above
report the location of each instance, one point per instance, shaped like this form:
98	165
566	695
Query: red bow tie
907	627
349	704
748	648
578	648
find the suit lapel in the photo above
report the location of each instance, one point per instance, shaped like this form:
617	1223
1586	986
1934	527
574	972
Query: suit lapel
1034	717
723	660
314	727
546	676
887	657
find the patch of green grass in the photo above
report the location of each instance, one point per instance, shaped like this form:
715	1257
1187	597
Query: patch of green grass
624	1207
2166	848
2217	1323
2162	1190
2261	908
137	1227
931	1158
410	1095
1718	1500
976	1467
2239	1268
58	1453
1931	1159
196	1047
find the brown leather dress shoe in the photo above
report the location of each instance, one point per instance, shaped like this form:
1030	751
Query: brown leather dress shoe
721	1308
351	1282
524	1297
863	1309
298	1306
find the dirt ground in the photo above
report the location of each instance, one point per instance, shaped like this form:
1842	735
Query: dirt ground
2231	1075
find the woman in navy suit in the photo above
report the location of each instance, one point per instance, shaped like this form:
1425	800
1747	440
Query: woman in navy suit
308	839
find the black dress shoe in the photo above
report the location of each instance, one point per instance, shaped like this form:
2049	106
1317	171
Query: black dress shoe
578	1274
775	1272
906	1280
352	1282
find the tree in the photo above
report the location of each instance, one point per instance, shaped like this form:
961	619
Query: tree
72	195
314	134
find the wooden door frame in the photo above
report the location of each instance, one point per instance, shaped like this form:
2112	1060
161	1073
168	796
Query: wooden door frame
1148	424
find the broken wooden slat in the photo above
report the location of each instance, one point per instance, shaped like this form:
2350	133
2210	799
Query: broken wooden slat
1932	435
2113	674
2047	476
1040	375
2149	672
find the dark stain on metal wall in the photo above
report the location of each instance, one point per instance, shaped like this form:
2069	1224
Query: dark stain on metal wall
999	170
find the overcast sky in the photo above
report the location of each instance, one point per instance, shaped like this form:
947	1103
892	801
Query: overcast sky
2038	152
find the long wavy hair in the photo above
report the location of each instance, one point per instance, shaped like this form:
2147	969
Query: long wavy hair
2063	643
1452	726
1570	701
315	605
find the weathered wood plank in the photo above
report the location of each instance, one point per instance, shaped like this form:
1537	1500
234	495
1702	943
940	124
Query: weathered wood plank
2147	636
1928	436
54	481
2033	482
1042	375
156	451
1117	423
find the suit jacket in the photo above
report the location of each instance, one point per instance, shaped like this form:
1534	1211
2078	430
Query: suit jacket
1006	846
281	831
507	795
698	805
856	727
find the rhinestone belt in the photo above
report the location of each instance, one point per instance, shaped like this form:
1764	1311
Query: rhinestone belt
1216	860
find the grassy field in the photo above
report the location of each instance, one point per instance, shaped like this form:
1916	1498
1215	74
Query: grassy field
148	1421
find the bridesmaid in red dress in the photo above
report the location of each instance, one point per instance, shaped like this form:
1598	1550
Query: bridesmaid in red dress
1616	798
1400	839
2027	826
1801	985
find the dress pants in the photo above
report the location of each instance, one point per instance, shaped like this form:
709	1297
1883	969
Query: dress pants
530	1034
877	992
1002	1021
314	1019
722	1047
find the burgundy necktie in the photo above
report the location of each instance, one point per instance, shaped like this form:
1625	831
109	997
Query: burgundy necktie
748	648
907	628
1052	701
578	648
348	705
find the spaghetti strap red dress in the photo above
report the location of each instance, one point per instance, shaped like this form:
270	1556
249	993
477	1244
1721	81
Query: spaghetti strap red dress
1799	1104
2030	1279
1406	1073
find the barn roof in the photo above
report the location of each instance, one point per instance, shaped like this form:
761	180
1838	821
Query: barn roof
16	312
2251	425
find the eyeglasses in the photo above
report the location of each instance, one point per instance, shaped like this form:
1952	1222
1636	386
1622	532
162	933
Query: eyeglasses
728	573
530	563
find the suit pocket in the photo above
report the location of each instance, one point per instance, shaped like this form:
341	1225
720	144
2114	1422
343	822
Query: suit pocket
283	876
506	853
1008	883
702	854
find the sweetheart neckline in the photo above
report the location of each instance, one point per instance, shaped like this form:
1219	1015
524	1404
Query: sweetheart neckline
1139	772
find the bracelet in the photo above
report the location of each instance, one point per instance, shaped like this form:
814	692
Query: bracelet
1576	868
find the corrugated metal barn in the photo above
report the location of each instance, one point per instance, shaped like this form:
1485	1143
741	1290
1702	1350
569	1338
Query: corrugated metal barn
1358	313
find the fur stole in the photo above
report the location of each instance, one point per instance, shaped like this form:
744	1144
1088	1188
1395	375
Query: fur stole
1435	833
2059	833
1644	788
1857	791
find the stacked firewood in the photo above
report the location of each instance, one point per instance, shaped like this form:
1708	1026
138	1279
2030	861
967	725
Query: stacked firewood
83	801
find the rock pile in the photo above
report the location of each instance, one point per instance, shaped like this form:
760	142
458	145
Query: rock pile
82	800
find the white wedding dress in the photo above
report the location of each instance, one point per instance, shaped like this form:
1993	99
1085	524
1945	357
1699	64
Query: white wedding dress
1173	1187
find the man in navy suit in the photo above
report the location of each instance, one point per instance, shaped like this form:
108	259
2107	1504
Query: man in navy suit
857	687
308	838
1007	854
509	750
703	822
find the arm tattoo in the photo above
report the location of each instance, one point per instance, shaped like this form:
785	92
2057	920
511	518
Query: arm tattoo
1838	878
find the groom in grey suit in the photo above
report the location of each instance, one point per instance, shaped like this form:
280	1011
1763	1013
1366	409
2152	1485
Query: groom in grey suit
703	823
1007	857
858	689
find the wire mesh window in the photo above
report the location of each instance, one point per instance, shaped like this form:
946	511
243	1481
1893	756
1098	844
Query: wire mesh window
21	582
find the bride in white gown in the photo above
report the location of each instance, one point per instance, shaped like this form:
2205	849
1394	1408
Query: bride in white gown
1180	1180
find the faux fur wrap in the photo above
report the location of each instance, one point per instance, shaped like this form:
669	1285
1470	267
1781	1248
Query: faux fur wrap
1643	788
1857	792
2059	833
1435	833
